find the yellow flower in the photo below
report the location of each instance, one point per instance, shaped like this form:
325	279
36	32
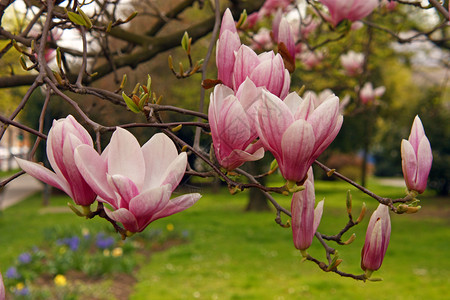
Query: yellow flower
117	252
170	227
20	286
106	252
85	231
62	250
60	280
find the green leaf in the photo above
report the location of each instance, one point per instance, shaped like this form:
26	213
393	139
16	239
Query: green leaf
86	18
130	103
76	18
143	101
185	41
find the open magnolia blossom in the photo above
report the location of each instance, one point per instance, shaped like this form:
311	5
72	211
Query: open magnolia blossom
137	182
296	132
305	219
231	118
65	135
368	94
416	158
377	239
352	10
352	62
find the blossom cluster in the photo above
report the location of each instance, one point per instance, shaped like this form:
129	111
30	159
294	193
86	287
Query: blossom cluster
136	182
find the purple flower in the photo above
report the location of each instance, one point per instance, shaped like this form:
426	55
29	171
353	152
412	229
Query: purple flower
104	242
12	273
23	291
25	258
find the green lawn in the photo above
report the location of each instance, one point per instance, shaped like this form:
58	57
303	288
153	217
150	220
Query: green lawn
238	255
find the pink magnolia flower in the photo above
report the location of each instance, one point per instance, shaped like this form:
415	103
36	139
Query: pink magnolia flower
352	62
416	158
311	59
377	239
389	5
296	132
137	182
233	125
265	70
63	138
252	19
323	95
352	10
368	94
227	44
262	40
271	6
305	219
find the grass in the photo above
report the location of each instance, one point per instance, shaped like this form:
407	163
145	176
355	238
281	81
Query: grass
238	255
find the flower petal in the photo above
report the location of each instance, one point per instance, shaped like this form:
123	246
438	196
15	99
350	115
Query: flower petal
125	188
94	171
145	205
125	157
40	172
125	217
176	205
159	153
297	146
274	117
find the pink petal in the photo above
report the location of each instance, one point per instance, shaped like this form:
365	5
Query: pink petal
176	205
238	157
274	117
227	22
145	205
125	157
424	161
40	172
78	130
324	118
94	171
318	215
293	101
226	46
297	145
245	63
125	188
125	217
417	132
81	191
175	171
159	153
409	164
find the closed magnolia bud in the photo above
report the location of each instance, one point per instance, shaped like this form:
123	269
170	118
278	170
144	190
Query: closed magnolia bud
416	158
377	239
